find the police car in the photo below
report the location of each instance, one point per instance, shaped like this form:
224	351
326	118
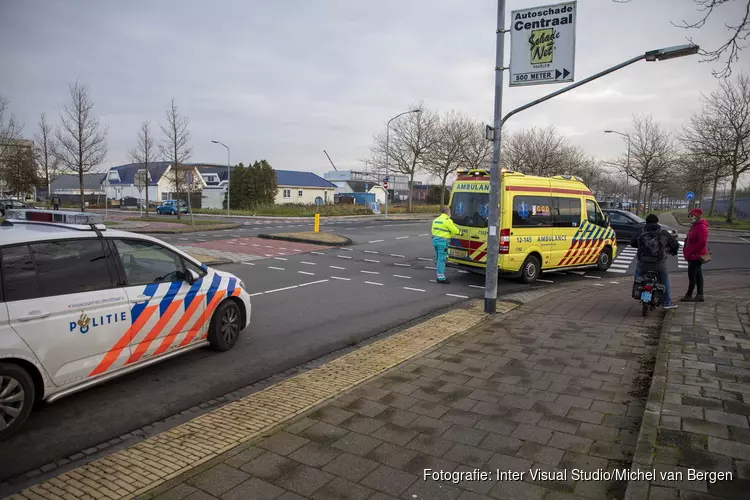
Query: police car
81	304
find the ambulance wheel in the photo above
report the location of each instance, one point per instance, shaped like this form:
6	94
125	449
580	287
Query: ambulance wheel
16	398
604	260
226	325
530	269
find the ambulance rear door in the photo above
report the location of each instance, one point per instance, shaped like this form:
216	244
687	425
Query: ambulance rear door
469	211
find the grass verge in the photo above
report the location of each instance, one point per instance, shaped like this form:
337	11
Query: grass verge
715	221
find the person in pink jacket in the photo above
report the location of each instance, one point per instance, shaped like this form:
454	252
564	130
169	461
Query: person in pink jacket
696	244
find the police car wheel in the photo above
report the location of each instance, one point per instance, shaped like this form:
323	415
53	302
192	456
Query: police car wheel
16	398
530	270
225	326
604	260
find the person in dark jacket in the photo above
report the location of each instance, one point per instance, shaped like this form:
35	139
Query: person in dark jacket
654	258
696	245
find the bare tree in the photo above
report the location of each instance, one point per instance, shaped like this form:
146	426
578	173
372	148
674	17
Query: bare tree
729	106
535	151
453	130
144	154
652	154
46	154
82	142
477	150
738	28
412	137
175	149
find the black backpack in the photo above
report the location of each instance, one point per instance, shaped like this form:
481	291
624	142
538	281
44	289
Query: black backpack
650	246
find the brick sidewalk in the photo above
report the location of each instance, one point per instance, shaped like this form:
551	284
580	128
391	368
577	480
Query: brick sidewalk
699	402
557	384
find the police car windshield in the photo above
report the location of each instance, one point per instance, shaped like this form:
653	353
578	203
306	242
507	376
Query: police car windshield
470	209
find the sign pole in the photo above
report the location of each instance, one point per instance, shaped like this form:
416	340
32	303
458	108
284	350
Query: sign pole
493	241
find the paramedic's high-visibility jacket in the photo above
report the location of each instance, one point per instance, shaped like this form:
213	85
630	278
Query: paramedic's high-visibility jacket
443	227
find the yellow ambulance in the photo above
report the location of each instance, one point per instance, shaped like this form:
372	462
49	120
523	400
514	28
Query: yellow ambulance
546	223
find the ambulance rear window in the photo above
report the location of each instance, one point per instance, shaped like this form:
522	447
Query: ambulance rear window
470	209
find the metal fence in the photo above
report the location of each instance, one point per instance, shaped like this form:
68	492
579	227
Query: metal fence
741	206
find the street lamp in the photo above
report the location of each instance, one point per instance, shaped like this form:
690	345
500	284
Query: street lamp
387	151
627	167
228	165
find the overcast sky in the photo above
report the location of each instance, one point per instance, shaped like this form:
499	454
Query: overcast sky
285	79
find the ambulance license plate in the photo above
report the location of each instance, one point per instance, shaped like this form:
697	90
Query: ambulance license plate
646	297
459	254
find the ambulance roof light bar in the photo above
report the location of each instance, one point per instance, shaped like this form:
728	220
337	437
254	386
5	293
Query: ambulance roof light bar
74	220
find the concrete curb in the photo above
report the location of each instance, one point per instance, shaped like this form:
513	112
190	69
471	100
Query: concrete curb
645	449
305	240
188	229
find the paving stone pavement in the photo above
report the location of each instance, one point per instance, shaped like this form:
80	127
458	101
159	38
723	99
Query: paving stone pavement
556	384
699	402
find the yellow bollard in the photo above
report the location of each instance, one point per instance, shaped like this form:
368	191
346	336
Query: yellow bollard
316	228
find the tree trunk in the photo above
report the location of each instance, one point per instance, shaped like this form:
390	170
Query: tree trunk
732	196
442	192
80	185
713	196
146	189
638	199
411	189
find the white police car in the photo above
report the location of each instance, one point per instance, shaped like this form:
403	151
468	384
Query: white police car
81	304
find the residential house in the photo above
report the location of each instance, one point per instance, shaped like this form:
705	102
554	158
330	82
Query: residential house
129	181
68	188
303	188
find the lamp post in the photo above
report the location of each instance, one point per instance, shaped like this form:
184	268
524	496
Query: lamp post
228	167
387	150
493	247
627	167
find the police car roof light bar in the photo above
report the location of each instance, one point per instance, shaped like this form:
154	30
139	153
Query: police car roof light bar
75	220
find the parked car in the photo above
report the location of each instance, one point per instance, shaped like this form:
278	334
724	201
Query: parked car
8	203
628	225
171	206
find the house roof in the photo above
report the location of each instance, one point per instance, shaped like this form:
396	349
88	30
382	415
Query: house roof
127	172
91	182
301	179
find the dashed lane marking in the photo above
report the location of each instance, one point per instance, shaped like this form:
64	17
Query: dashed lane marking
343	257
402	237
480	287
373	283
305	272
277	268
375	241
337	267
413	289
425	258
370	272
430	267
346	249
280	258
401	276
318	253
597	284
307	263
339	278
371	251
400	264
425	234
371	260
398	255
457	295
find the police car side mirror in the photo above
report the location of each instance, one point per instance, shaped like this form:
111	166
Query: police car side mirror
193	276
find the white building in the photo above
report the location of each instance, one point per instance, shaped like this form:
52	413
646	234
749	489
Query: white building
359	181
303	187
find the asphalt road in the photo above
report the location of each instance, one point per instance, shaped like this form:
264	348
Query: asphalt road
304	306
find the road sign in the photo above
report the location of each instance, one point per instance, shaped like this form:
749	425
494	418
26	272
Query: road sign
385	184
689	195
367	186
542	44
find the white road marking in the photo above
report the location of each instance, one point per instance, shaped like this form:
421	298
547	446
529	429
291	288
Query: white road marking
375	241
462	271
456	295
545	281
413	289
282	289
481	287
255	245
402	237
371	260
268	255
184	239
313	282
282	248
337	267
370	272
597	284
343	257
280	258
400	276
402	265
346	249
305	272
682	267
430	267
425	234
373	283
343	279
269	246
307	263
614	282
368	227
621	271
593	277
247	263
424	258
579	273
277	268
371	251
398	255
318	253
254	294
620	266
